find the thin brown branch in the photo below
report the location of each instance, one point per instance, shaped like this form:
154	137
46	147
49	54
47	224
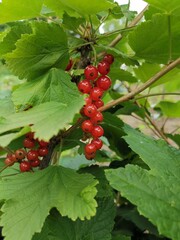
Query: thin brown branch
141	88
156	94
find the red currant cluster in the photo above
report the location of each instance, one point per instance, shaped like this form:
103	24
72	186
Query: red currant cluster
30	156
94	85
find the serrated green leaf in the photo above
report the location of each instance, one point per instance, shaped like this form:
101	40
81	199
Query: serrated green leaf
150	40
55	86
122	75
170	109
155	192
72	23
30	196
36	53
47	118
170	7
17	10
98	228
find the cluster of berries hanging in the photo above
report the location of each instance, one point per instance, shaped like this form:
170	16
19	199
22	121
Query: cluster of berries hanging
95	83
30	156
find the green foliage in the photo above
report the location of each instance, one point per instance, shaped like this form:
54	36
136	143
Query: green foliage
152	191
71	193
170	109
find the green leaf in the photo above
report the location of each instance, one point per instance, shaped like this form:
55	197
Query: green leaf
170	109
47	118
155	192
55	86
7	107
72	23
36	53
31	196
98	228
17	10
12	35
150	40
122	75
170	7
147	70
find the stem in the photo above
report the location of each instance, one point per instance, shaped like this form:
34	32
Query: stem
115	32
155	94
126	24
152	80
170	38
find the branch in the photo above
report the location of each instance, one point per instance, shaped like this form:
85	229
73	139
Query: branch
152	80
156	94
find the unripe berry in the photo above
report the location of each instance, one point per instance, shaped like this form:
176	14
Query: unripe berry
90	148
87	126
20	154
103	82
97	132
91	72
96	93
84	86
90	110
8	161
108	58
103	68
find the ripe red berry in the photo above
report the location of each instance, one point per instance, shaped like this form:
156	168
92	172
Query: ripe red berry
84	86
103	68
97	118
35	163
20	154
90	156
97	132
32	155
42	151
90	148
43	143
88	100
12	157
28	143
96	93
87	126
90	110
98	143
30	135
103	82
69	66
99	103
8	161
24	166
91	72
108	58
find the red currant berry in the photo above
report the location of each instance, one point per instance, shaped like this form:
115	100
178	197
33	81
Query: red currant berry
12	157
90	148
28	143
108	58
24	166
91	72
32	155
90	156
42	151
103	82
97	132
43	143
90	110
97	118
8	161
35	163
88	100
87	126
99	103
69	66
84	86
96	93
98	143
20	154
103	68
30	135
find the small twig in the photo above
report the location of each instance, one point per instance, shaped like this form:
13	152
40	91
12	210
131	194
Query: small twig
155	94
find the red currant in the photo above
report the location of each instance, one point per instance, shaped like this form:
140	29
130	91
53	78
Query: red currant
91	72
30	135
96	93
88	100
35	163
103	68
103	82
43	143
90	148
69	66
12	157
97	118
28	143
42	151
32	155
108	58
8	161
84	86
87	126
24	166
99	103
20	154
97	132
98	143
90	156
90	110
